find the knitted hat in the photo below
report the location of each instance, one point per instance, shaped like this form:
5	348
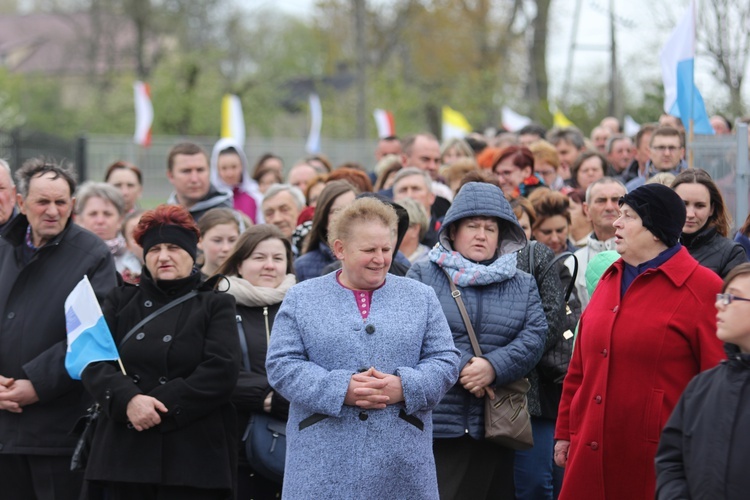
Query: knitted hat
661	210
169	233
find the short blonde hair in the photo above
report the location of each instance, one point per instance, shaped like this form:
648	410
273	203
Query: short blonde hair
417	215
459	168
367	209
544	151
666	178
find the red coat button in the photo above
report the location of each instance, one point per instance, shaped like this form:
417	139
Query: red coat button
604	353
594	445
598	400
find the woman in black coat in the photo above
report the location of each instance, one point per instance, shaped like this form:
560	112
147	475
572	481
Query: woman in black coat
167	429
258	274
707	224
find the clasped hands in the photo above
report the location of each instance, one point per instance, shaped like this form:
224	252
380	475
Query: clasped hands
374	390
477	376
15	394
144	412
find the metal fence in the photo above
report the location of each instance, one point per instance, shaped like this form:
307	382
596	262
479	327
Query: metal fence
102	151
724	157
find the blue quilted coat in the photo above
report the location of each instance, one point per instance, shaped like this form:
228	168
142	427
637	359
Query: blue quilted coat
507	315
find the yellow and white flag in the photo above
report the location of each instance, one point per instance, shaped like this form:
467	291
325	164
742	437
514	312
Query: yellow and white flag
454	124
232	120
560	120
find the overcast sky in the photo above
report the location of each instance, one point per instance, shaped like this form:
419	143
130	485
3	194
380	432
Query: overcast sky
643	27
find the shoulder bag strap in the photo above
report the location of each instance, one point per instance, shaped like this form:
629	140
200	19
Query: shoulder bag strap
243	344
563	256
456	294
532	261
154	314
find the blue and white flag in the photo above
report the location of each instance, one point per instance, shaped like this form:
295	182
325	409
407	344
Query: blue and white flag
316	121
681	96
89	338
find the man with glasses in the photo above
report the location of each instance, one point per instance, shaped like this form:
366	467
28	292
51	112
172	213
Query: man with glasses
667	148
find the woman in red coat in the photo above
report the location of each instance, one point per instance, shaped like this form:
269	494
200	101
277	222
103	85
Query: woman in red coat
648	329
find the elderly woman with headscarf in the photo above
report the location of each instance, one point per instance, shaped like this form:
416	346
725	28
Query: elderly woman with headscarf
362	356
478	245
167	428
647	331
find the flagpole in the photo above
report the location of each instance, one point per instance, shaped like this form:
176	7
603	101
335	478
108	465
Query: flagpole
122	368
691	122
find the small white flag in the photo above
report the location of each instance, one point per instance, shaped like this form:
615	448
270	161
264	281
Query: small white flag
316	121
512	121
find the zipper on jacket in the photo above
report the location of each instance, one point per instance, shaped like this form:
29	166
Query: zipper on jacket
268	330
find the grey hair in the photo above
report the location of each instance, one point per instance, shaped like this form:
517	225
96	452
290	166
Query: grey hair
603	180
39	166
570	135
409	171
461	146
299	197
4	166
613	139
107	192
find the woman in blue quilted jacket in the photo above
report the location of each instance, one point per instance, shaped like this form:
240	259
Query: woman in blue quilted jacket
477	247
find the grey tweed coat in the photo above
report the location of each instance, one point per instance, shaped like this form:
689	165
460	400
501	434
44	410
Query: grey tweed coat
318	342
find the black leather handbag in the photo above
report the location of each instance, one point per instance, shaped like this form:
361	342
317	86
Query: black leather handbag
265	436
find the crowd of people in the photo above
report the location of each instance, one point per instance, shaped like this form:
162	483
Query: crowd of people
321	305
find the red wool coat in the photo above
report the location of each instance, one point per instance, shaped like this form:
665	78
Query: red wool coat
633	358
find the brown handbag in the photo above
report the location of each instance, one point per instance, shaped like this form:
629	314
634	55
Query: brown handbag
506	418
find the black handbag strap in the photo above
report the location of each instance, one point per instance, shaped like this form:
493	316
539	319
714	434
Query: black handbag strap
243	344
456	294
532	262
562	257
154	314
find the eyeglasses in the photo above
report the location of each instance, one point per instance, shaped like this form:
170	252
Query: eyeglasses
662	149
727	298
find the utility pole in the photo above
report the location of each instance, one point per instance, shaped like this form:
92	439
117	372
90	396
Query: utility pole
614	100
571	54
361	64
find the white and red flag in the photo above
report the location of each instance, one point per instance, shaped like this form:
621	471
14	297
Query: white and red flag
144	114
384	122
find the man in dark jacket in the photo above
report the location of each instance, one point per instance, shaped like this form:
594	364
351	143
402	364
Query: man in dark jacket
188	171
43	255
7	196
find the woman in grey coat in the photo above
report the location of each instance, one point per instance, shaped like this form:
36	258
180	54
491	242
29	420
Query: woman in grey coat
477	246
362	358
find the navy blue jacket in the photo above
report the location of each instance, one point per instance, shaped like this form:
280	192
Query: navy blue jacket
312	263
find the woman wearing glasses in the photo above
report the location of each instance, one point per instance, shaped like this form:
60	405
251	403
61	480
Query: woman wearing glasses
646	333
703	452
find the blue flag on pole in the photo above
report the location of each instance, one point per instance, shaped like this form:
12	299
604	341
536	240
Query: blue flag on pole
89	338
681	96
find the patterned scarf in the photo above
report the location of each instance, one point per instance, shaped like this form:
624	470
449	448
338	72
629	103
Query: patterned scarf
117	245
464	272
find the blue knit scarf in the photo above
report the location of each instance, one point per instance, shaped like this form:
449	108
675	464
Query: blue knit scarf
464	272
